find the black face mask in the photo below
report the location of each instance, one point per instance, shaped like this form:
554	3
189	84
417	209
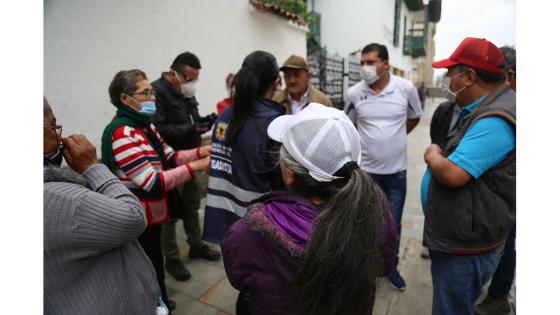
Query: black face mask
54	158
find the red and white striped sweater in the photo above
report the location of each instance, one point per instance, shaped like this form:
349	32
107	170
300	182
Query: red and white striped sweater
141	171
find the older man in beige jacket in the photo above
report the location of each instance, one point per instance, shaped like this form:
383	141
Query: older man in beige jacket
298	92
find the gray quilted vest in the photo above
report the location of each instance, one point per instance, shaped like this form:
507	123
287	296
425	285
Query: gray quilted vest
477	217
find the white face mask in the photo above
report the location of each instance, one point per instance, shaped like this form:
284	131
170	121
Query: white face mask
369	74
187	89
450	95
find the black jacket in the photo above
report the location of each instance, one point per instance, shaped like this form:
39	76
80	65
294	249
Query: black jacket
175	116
441	120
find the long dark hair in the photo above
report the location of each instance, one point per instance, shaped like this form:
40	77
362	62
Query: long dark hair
337	273
258	72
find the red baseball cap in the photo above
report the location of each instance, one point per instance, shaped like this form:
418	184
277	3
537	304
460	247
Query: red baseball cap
477	53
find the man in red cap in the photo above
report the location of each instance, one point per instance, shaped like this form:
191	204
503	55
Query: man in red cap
469	186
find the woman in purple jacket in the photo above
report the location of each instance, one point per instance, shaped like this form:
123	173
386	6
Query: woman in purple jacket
319	247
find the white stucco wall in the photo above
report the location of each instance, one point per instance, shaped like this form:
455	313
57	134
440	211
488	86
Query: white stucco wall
347	26
87	42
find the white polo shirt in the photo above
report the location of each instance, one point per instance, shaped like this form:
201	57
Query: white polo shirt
381	122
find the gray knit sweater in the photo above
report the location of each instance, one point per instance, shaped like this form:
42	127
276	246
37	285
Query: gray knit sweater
93	263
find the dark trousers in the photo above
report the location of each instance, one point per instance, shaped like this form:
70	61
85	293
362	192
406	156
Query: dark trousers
394	187
242	304
150	242
190	197
503	277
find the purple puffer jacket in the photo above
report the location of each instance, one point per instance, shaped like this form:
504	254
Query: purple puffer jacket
261	250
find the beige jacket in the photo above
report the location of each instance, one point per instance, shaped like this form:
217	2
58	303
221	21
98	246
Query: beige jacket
315	96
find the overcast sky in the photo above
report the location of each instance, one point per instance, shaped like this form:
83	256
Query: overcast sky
490	19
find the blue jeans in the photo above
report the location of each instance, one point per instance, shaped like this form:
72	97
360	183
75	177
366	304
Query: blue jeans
503	277
394	187
458	280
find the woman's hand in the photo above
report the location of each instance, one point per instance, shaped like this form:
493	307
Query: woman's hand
202	165
204	150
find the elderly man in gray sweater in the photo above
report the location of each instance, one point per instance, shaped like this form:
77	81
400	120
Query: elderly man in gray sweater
93	263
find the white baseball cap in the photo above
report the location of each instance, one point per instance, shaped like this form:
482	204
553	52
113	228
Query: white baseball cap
320	138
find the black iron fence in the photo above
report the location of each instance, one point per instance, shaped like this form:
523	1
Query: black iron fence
353	70
328	72
328	75
333	75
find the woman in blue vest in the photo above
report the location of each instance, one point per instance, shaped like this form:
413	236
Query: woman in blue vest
240	169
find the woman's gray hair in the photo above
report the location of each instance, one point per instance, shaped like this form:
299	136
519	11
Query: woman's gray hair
287	161
125	81
337	273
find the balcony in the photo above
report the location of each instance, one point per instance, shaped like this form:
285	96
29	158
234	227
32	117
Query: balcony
434	11
414	5
414	46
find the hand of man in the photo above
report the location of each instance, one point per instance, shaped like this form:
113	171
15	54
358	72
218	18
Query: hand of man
205	150
202	129
79	153
432	149
202	165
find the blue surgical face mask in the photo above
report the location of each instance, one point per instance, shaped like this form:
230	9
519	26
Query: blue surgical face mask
148	108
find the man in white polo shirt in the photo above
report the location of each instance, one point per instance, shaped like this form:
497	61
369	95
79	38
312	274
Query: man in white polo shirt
384	108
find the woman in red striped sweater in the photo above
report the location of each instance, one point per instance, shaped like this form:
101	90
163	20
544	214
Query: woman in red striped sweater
135	152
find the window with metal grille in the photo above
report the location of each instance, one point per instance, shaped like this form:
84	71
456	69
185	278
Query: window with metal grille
397	26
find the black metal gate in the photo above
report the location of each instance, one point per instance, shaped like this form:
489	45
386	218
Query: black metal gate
353	70
328	75
328	72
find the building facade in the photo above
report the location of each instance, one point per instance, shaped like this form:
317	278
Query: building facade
404	26
87	42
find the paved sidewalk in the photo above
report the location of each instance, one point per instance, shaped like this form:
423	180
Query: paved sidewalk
209	292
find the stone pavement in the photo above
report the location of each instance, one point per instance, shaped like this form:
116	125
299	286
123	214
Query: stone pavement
208	292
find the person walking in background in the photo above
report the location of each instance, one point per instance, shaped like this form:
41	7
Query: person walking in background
316	248
226	102
423	93
241	169
384	108
177	120
497	302
298	92
469	216
91	222
135	152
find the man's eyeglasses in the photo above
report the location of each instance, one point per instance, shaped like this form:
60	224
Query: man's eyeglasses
186	77
145	93
57	129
